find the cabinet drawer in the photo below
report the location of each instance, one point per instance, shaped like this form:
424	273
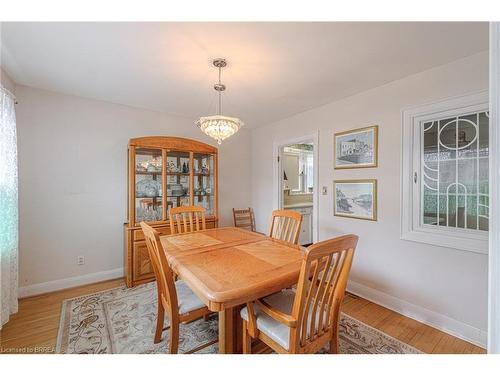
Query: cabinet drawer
305	236
164	230
139	235
142	264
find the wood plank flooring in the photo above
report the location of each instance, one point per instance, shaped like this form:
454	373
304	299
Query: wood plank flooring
34	328
407	330
36	324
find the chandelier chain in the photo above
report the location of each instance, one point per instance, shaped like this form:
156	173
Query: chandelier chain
220	93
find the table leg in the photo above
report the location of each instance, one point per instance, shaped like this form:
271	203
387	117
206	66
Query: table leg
238	330
226	331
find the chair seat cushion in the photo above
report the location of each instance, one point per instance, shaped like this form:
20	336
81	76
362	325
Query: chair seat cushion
187	300
277	331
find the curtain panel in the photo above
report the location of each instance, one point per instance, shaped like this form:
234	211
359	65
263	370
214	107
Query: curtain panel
9	237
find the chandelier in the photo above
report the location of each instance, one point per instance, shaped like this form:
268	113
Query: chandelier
219	127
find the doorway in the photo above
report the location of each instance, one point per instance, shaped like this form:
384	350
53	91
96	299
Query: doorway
296	182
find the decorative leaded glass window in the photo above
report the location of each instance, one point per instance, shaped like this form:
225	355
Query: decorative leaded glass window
445	184
455	171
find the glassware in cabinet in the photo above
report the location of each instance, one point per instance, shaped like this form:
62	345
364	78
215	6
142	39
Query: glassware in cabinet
148	185
178	179
203	184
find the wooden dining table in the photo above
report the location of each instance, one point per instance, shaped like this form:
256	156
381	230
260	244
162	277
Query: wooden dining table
227	267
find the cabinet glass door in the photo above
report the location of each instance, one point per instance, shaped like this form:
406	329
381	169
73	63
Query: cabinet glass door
203	185
148	185
178	173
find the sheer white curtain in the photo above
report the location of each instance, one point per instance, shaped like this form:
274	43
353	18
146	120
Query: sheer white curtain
8	207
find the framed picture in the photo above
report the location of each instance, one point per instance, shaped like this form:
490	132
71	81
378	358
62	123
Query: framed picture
355	198
357	148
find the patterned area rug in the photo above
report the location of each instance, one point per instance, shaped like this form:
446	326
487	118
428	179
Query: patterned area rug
123	320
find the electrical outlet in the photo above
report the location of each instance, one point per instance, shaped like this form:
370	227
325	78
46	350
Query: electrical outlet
324	190
80	260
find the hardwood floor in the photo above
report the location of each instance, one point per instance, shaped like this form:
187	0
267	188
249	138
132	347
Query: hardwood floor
36	324
34	328
416	334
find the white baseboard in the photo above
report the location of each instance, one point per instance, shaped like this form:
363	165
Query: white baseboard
431	318
52	286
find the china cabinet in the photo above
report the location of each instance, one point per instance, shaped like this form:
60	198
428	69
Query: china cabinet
165	172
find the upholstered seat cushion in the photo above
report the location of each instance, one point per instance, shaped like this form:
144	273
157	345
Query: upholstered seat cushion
277	331
187	300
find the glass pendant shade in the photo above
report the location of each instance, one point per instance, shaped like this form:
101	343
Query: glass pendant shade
219	127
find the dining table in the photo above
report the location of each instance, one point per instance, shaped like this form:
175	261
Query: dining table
228	267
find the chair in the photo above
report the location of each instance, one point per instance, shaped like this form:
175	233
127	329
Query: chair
305	320
174	298
244	218
186	219
285	226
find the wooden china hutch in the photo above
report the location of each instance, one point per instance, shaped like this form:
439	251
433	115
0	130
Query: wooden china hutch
165	172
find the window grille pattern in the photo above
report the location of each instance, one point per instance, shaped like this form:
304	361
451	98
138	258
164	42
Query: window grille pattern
454	170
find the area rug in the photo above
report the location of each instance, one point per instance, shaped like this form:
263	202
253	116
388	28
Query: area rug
123	321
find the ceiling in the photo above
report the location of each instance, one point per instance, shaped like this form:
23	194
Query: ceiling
275	69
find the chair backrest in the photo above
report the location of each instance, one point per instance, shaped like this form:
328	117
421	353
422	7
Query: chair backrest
321	288
167	294
244	218
186	219
285	225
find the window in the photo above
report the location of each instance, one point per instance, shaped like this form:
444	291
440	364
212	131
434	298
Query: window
309	171
445	197
299	168
306	172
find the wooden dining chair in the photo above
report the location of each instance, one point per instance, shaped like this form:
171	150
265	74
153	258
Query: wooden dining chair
305	320
244	218
174	298
285	226
186	219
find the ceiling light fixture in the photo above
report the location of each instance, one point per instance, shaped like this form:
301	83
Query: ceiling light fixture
219	127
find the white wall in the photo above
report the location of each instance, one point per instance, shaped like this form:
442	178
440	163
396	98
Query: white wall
73	178
443	287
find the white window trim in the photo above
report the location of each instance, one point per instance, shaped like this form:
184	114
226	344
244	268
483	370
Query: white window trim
494	255
411	227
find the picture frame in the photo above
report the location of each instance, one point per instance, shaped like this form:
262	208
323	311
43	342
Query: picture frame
356	199
356	148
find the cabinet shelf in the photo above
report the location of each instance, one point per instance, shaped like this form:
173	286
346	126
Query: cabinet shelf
187	174
149	173
177	196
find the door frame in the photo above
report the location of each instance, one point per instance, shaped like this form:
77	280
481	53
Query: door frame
278	172
494	245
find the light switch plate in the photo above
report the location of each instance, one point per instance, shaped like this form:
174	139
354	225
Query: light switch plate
324	190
